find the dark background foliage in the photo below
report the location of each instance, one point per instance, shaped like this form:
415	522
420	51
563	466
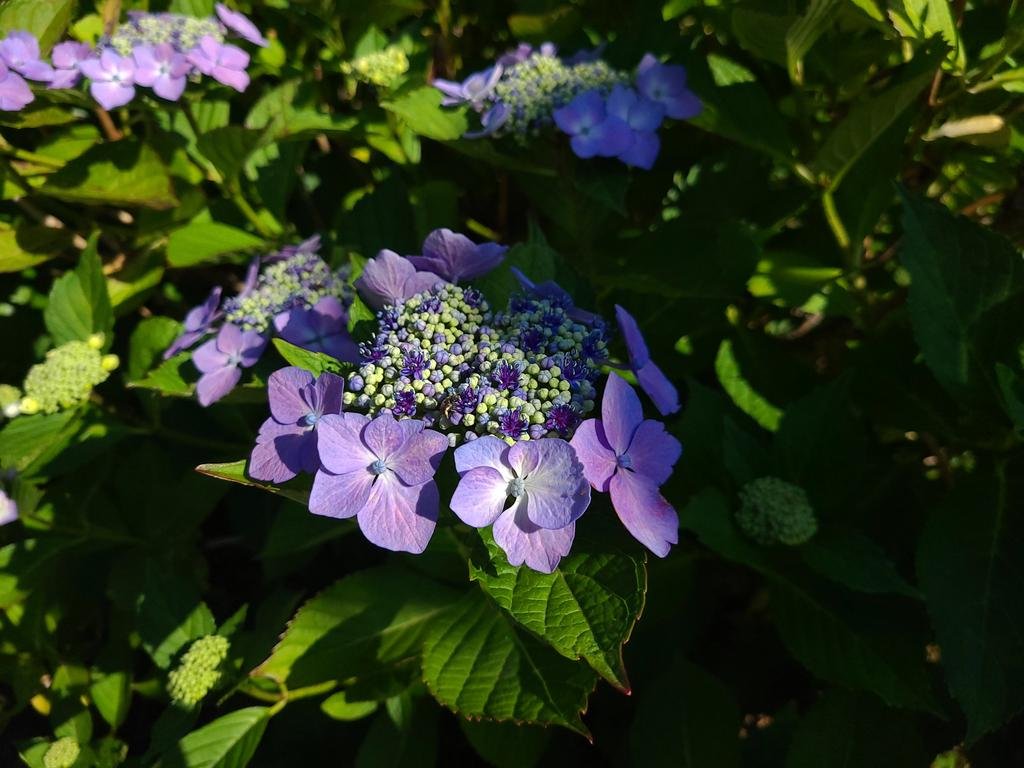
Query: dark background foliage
827	262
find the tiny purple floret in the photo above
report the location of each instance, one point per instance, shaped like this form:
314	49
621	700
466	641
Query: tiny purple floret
651	378
221	360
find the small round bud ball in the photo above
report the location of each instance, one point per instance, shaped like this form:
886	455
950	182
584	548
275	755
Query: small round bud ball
773	511
199	670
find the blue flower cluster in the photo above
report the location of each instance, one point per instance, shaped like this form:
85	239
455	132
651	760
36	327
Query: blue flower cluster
606	112
442	356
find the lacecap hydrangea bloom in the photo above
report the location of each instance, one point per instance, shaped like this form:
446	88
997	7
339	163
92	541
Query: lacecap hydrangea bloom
606	112
199	671
291	293
159	51
773	511
509	388
67	377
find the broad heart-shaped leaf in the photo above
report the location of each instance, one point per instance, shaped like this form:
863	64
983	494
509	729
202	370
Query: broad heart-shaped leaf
859	642
168	379
25	439
79	304
843	730
234	472
229	147
228	742
856	562
421	110
47	21
201	241
479	664
585	609
360	624
968	563
966	297
686	719
25	246
124	172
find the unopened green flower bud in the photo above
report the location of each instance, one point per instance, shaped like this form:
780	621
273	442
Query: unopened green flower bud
199	670
67	376
773	511
62	753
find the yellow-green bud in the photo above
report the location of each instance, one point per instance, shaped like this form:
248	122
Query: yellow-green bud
199	670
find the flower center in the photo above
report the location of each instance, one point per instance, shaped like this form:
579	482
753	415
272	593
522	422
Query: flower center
378	467
310	420
234	359
624	461
516	488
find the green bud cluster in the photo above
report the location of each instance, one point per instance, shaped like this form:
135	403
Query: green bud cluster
182	32
66	377
381	68
534	88
10	398
199	670
300	280
773	511
443	357
62	753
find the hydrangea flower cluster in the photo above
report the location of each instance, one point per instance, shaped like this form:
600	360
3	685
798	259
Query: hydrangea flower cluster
383	69
773	511
605	111
291	293
66	378
508	390
199	670
160	51
63	753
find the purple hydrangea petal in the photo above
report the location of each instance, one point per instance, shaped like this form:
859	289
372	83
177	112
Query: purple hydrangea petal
523	542
491	120
328	391
197	321
610	138
654	452
643	151
340	496
639	113
486	451
208	358
383	437
69	54
666	84
656	384
341	444
399	517
480	496
288	392
582	113
281	452
419	457
621	413
214	385
595	454
635	344
20	51
240	24
384	278
455	257
15	93
8	509
451	90
644	511
111	95
557	492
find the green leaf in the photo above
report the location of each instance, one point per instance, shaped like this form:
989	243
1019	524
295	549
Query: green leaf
111	695
479	664
867	644
170	613
968	566
407	742
228	742
362	623
26	439
314	362
856	562
24	246
168	378
228	148
421	110
124	172
47	21
746	398
800	37
686	719
338	707
148	341
844	730
234	472
966	297
585	609
199	242
534	258
506	745
871	118
79	304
